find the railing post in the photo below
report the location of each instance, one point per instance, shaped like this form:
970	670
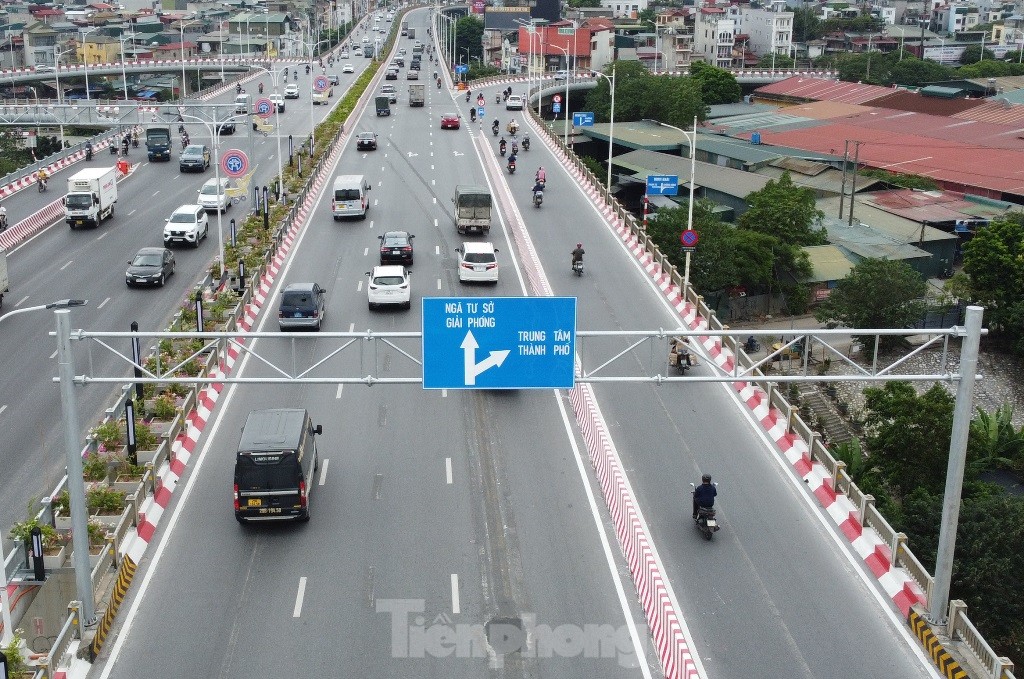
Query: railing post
957	607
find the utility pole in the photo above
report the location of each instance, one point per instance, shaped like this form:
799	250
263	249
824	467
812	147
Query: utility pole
853	184
842	187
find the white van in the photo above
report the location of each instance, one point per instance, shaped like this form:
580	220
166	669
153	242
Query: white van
350	197
242	103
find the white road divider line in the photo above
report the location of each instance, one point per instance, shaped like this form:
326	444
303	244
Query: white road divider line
359	286
297	611
447	464
366	251
351	327
2	409
70	262
437	250
323	473
337	394
102	235
435	222
22	301
53	355
103	303
455	593
438	283
444	393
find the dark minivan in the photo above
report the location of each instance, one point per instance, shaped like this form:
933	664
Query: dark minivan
274	468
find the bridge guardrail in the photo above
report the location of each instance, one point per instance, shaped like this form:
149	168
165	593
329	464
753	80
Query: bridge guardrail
958	626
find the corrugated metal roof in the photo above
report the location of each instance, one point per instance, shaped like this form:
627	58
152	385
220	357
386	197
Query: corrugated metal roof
935	206
970	165
726	110
999	111
723	179
828	263
905	100
821	89
890	227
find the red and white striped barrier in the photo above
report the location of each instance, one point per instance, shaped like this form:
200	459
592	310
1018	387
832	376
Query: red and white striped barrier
865	541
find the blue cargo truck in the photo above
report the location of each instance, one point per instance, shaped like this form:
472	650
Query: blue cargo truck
158	143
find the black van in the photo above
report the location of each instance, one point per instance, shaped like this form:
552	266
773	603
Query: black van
275	466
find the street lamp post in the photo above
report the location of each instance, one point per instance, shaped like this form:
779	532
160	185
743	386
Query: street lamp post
85	59
124	76
611	126
565	134
181	30
692	138
76	493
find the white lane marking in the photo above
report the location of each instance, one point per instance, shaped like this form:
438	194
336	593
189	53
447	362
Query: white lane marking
437	249
444	393
297	611
351	327
371	223
375	202
366	251
2	409
438	283
70	262
134	211
22	300
103	303
433	182
104	235
359	287
53	355
337	394
431	165
447	465
323	473
455	593
435	200
435	222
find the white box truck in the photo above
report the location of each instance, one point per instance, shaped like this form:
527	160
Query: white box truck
4	283
417	95
91	196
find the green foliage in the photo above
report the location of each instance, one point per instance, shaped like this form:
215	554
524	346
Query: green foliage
906	181
914	72
908	435
104	500
469	33
807	24
858	465
22	532
164	407
584	3
675	100
784	211
779	61
717	85
994	259
990	68
16	664
145	439
972	55
994	439
109	434
595	166
877	293
647	16
476	70
94	466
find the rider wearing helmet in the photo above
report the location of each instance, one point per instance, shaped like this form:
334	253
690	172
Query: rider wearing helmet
704	495
542	176
577	254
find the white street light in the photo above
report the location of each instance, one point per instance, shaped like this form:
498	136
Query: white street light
181	30
214	129
692	138
611	126
85	58
83	577
565	135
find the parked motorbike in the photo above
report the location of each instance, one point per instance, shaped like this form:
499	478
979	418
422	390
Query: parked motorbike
706	520
577	267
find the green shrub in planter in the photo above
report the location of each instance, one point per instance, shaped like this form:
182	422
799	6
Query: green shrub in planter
105	500
145	439
109	434
164	408
95	465
22	532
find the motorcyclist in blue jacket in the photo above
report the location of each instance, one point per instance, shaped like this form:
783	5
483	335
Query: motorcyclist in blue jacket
704	495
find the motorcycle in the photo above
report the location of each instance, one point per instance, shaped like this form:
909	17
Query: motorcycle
42	184
472	115
706	522
526	143
261	88
511	166
494	128
501	148
113	148
751	345
679	356
538	198
295	76
438	83
3	222
577	267
88	152
135	141
238	89
467	95
497	98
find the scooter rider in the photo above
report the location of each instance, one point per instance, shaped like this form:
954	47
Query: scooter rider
261	88
515	147
88	150
472	114
494	127
704	495
501	146
542	175
538	192
3	217
526	142
577	254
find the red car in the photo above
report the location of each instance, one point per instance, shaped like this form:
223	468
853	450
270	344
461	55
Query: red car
450	121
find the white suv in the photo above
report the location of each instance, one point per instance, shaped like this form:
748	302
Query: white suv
213	196
477	263
187	224
389	284
514	103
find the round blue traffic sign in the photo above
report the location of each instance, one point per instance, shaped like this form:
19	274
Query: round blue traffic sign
264	107
320	83
689	238
234	163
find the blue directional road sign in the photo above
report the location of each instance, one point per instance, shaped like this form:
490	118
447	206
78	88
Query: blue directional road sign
480	112
461	68
498	342
584	119
556	107
662	184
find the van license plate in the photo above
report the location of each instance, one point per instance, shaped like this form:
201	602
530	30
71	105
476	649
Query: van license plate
254	502
79	222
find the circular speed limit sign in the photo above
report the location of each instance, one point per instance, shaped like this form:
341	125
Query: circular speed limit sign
234	163
264	107
320	83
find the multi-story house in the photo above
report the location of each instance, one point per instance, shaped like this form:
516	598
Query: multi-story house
714	36
769	29
267	33
625	9
954	18
40	44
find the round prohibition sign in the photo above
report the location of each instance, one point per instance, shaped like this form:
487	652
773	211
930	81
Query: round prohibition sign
689	238
264	107
320	83
234	163
557	98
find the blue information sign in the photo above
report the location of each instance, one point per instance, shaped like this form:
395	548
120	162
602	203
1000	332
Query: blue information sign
584	119
461	68
556	107
662	185
480	112
499	342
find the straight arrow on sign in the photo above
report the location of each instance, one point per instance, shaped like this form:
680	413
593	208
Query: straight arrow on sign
472	368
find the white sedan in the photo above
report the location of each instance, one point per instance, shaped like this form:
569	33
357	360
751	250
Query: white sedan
347	68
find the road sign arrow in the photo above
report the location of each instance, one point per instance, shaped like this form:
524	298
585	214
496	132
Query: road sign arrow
472	368
457	154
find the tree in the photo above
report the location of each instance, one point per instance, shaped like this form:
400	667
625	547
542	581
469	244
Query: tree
632	87
994	259
877	293
776	60
994	438
584	3
469	33
806	24
647	16
910	434
717	85
972	55
784	211
676	101
915	72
